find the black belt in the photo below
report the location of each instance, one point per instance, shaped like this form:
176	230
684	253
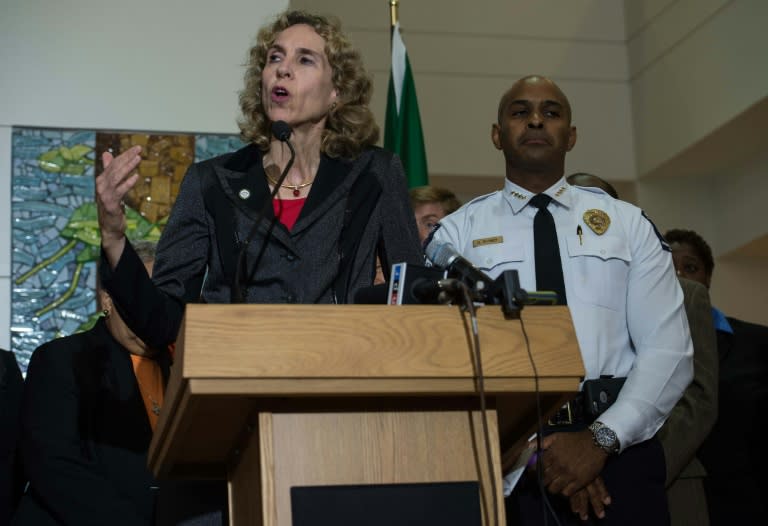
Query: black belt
595	397
571	414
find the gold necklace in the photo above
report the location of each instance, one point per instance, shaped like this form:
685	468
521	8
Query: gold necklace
295	187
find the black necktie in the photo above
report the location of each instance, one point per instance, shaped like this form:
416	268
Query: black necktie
549	269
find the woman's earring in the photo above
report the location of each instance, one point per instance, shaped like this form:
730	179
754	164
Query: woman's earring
105	313
333	105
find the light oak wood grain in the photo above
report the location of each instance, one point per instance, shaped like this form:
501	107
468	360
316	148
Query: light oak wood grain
273	396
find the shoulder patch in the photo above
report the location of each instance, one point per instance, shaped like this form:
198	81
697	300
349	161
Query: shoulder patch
664	244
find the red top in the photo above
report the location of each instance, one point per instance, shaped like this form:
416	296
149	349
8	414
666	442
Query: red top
291	208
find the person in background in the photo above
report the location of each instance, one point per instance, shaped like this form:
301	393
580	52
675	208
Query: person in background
430	204
734	453
11	480
589	180
695	413
693	416
91	401
606	261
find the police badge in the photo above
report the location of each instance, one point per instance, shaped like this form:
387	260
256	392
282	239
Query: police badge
597	220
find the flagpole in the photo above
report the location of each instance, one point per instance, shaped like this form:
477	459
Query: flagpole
393	12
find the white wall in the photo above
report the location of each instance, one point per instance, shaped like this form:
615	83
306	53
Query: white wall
466	54
168	65
700	106
737	288
145	64
5	237
694	66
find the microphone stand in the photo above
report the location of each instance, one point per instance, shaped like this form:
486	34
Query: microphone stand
282	132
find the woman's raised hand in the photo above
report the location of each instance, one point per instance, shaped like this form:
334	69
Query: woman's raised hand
118	177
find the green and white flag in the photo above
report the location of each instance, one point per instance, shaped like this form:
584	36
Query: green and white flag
402	130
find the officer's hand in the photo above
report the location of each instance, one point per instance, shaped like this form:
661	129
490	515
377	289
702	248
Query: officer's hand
594	494
570	461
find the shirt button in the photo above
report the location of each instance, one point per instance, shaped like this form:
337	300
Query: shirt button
290	298
602	252
290	257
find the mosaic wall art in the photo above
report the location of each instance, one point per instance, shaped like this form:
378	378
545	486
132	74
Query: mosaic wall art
55	236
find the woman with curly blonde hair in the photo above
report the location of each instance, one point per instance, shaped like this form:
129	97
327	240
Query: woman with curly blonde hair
350	125
343	204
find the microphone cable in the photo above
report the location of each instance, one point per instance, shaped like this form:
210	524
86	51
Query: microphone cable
469	306
546	504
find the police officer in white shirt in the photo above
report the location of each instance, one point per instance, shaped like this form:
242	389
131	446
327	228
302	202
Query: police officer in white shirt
625	301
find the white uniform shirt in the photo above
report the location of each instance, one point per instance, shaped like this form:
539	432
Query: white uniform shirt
623	294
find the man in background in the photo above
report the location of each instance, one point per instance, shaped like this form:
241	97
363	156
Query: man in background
11	478
430	204
734	453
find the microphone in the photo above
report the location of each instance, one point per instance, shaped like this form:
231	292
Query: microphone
282	132
504	291
444	255
431	292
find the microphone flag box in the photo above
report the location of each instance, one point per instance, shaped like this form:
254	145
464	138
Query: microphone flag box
402	280
396	281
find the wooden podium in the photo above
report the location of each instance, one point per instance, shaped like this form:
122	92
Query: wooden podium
269	397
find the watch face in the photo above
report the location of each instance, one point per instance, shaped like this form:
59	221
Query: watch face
606	437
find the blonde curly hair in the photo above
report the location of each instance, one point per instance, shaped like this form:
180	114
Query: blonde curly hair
350	125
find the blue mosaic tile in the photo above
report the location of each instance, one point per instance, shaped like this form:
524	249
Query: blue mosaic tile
52	178
52	173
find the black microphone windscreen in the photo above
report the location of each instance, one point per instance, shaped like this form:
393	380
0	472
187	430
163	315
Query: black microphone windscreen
374	295
281	130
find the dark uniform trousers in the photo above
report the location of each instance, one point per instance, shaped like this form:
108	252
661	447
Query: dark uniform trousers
635	481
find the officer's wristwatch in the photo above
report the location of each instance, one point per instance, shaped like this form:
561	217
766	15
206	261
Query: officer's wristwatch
605	438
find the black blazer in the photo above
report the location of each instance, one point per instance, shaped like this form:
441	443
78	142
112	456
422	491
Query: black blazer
356	210
734	454
85	435
11	385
